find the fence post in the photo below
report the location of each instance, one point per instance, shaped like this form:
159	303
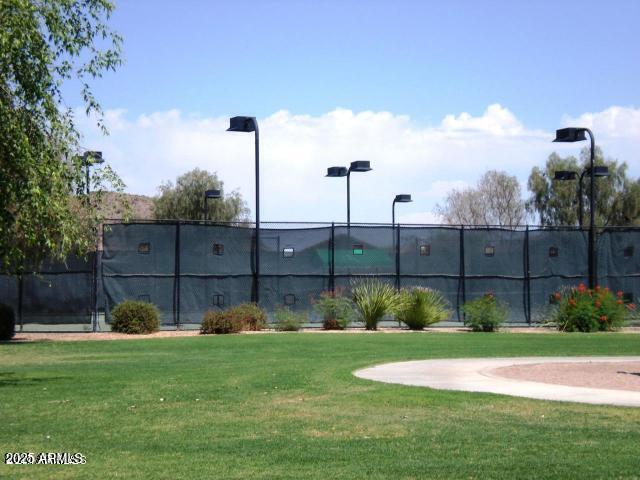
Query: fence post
397	257
462	286
94	298
332	261
176	280
20	288
527	277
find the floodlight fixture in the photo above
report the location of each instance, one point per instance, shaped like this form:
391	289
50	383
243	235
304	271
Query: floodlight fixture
570	135
242	124
564	175
92	157
337	172
213	194
360	166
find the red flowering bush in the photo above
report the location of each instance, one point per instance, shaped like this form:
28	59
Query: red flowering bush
581	309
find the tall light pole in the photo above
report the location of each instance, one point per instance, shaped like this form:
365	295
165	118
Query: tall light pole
357	166
563	175
90	158
402	198
250	124
569	135
213	194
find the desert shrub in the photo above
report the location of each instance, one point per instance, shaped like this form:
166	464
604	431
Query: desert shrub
218	323
484	314
7	322
249	316
243	317
336	310
135	317
583	309
422	307
374	299
289	321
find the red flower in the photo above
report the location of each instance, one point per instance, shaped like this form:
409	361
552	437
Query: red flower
572	302
619	294
619	302
557	296
582	288
597	288
603	318
598	304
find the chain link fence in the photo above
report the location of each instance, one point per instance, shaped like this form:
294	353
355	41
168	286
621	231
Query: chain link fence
187	268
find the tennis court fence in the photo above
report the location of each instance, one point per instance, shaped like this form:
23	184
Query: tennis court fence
187	268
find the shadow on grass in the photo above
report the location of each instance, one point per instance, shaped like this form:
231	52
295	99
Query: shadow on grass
10	379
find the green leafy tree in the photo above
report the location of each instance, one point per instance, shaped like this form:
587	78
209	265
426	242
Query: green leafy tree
556	202
44	45
185	199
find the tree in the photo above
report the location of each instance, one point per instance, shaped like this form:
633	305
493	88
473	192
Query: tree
43	46
185	200
556	202
496	200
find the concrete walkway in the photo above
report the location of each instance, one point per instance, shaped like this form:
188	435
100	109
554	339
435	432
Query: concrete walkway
474	375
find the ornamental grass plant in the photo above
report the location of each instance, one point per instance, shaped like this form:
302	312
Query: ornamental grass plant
423	307
374	299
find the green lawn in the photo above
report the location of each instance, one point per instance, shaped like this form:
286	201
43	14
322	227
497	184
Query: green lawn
286	406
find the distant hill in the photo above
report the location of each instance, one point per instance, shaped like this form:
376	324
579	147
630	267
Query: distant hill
113	206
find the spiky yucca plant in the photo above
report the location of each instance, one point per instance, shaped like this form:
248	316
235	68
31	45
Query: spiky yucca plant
374	299
423	306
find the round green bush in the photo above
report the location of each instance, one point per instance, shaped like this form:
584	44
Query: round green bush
7	322
135	317
484	314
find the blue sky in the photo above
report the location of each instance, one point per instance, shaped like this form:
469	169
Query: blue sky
544	63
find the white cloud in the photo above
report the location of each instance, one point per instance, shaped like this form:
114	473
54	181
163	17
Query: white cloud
613	122
296	150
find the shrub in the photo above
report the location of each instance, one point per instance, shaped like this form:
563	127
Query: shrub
249	315
289	321
336	310
243	317
583	309
374	299
217	322
484	314
422	307
135	317
7	322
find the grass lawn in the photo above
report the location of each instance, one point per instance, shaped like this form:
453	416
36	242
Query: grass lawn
286	406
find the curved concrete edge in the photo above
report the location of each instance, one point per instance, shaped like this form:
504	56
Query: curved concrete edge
475	375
